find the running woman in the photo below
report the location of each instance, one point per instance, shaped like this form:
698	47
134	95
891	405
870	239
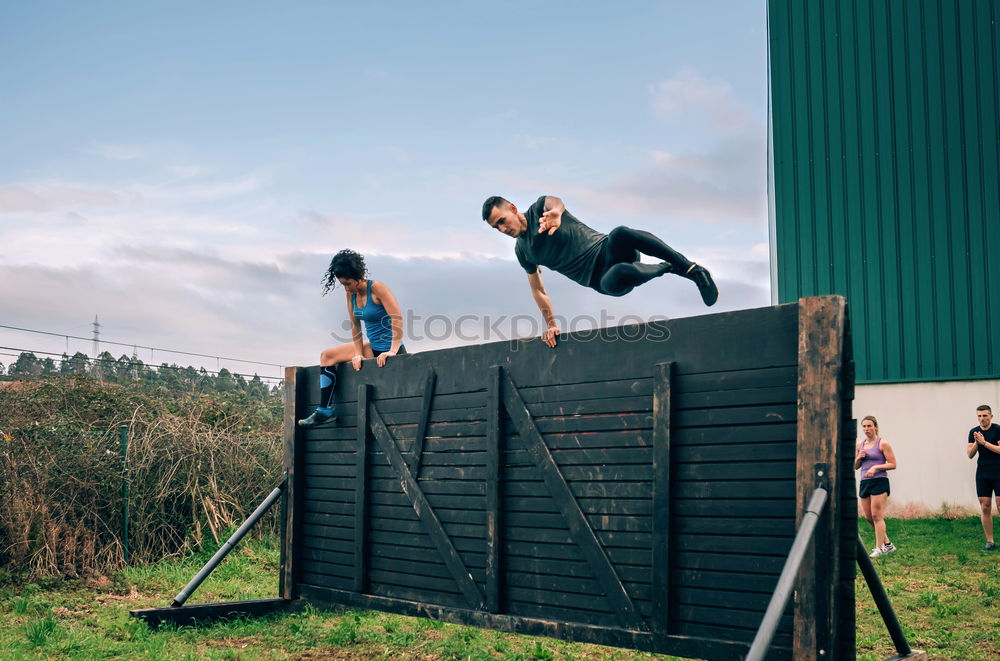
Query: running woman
874	457
370	301
548	235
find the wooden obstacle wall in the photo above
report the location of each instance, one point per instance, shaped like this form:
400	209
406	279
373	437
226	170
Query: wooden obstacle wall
637	486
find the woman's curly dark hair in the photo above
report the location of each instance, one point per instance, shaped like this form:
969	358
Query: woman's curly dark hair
345	264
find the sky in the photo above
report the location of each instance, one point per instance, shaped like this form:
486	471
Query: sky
185	170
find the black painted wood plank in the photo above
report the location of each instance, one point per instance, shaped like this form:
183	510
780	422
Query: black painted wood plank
633	438
778	451
346	523
589	544
606	472
361	486
722	580
757	545
333	557
635	540
598	522
735	562
474	560
419	567
702	525
494	496
742	467
414	581
784	394
314	565
446	515
587	456
325	506
630	507
720	488
752	507
310	539
605	489
777	432
761	377
630	574
425	596
325	581
418	528
736	415
430	487
661	519
556	614
422	507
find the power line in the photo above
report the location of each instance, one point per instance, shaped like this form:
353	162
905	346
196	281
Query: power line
139	346
115	362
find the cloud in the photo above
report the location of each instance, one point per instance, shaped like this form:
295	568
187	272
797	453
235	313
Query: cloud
274	312
116	152
49	196
691	99
723	184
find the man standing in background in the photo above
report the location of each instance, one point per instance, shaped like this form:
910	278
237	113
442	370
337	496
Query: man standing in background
985	440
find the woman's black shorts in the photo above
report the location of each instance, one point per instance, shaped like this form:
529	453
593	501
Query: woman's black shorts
873	487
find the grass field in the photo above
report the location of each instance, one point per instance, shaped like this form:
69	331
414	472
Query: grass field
945	591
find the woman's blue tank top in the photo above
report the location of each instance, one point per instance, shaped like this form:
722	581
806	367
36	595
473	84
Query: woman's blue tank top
378	323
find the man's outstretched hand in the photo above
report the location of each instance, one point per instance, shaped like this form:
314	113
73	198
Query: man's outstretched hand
549	336
550	222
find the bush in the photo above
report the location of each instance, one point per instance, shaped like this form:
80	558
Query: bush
197	464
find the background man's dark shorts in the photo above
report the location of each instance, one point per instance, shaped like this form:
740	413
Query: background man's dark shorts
987	484
874	486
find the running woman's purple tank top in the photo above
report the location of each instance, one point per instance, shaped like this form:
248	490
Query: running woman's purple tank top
873	457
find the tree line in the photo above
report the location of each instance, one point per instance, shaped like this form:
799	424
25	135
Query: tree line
130	369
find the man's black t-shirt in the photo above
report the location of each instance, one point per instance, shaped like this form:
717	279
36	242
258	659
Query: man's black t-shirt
572	250
989	462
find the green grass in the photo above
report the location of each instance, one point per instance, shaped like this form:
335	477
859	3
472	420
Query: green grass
945	591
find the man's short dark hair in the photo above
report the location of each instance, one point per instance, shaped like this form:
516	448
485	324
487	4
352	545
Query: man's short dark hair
491	202
984	407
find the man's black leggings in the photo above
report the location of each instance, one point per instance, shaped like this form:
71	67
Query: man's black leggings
618	270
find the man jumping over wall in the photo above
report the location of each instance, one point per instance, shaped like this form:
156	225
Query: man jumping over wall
548	235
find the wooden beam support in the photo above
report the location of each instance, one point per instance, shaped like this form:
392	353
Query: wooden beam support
494	502
661	497
564	499
425	414
820	398
291	501
361	492
452	560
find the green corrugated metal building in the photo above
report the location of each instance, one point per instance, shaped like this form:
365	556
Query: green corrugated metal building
885	175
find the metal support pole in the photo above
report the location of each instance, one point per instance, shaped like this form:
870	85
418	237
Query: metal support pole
123	435
882	601
804	536
228	546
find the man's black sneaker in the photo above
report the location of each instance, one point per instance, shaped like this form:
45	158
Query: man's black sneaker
990	546
701	277
318	417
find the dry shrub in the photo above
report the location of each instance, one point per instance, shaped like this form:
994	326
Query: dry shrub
197	465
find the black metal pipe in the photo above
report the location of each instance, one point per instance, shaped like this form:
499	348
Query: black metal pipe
224	550
786	582
882	601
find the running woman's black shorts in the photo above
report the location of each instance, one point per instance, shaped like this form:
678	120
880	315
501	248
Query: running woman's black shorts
874	486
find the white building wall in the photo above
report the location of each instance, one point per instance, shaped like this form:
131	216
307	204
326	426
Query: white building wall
928	424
